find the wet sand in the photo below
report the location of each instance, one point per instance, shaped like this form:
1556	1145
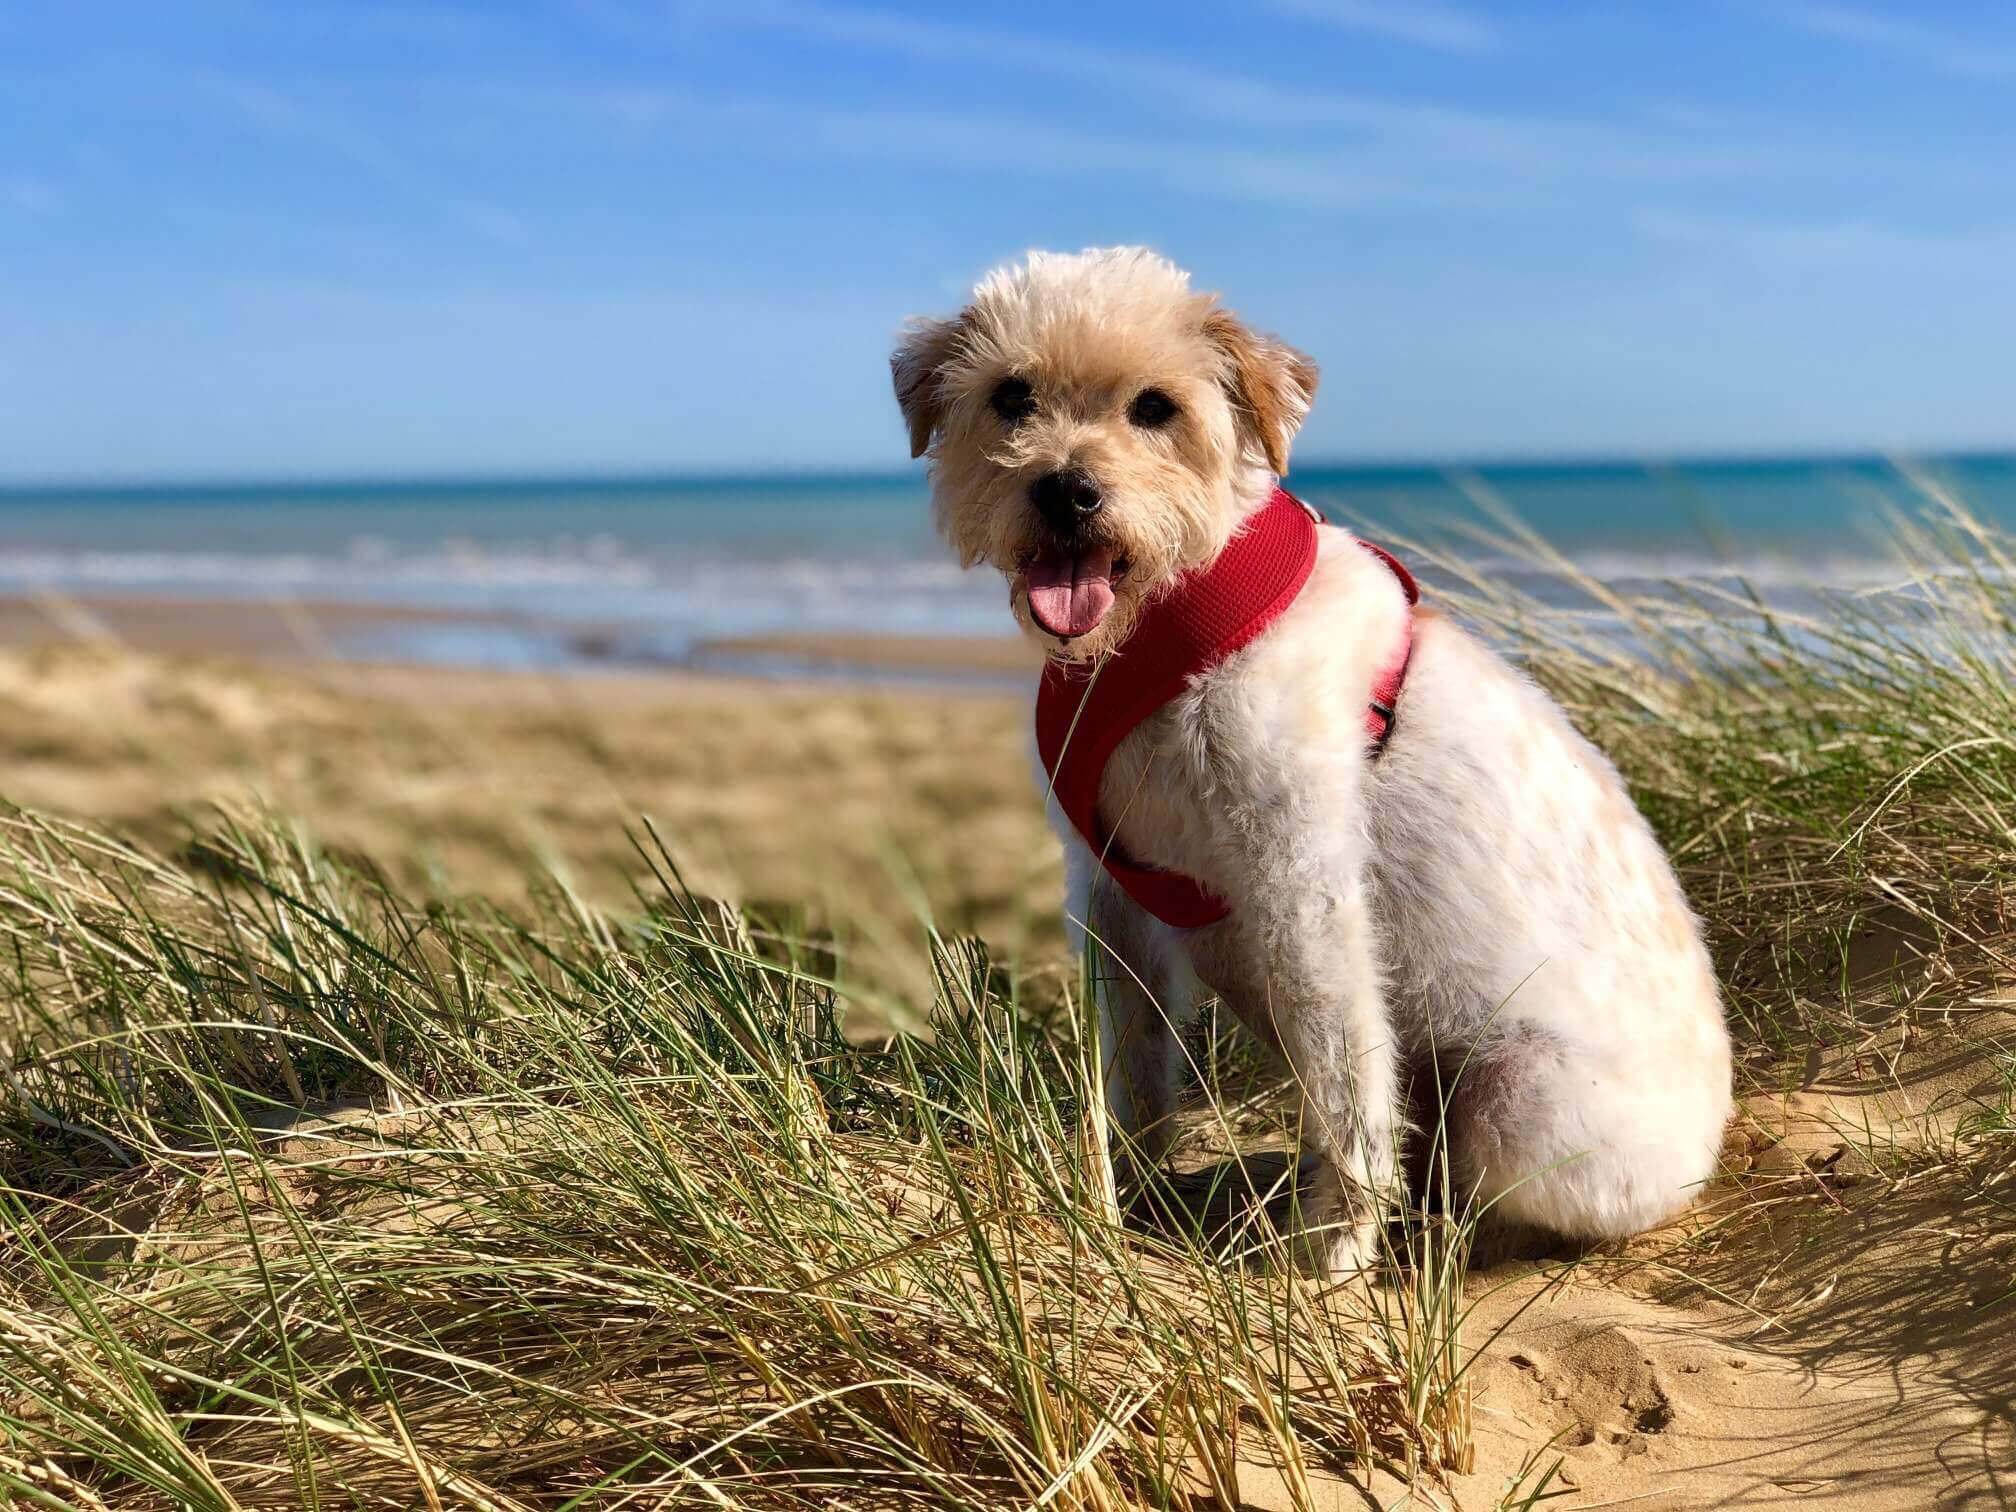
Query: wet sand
307	631
261	629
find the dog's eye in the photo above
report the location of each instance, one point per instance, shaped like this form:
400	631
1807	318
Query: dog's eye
1012	400
1152	409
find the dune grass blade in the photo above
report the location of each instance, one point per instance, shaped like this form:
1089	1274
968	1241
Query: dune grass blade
586	1211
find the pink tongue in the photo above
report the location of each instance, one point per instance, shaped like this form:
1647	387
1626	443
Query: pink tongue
1068	596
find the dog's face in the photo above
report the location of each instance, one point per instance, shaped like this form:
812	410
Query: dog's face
1095	429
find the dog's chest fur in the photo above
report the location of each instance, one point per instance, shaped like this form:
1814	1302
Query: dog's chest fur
1269	744
1501	854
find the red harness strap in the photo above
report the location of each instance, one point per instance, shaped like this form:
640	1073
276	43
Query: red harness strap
1084	712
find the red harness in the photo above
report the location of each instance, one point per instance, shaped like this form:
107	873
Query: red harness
1083	711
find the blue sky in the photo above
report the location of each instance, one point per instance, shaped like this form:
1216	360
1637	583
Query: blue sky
252	239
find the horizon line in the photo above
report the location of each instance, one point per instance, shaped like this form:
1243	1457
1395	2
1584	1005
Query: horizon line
534	478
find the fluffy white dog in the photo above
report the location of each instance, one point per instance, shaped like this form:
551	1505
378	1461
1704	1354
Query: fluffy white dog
1388	895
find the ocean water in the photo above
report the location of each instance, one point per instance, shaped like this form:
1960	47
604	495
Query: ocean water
652	571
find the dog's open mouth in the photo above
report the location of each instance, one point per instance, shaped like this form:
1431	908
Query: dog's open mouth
1071	588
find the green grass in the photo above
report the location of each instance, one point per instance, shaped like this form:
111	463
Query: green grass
639	1226
1993	1119
601	1208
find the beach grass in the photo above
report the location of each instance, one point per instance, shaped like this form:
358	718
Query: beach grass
592	1210
1837	783
331	1183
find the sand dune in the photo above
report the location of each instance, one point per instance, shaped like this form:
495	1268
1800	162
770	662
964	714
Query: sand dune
1835	1325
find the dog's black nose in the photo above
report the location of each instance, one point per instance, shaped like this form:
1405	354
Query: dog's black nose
1066	499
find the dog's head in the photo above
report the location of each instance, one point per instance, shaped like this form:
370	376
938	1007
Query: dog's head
1095	429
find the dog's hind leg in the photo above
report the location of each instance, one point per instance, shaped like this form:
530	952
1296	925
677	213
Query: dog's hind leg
1548	1136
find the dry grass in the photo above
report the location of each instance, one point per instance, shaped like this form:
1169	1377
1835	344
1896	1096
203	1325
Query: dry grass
820	809
1837	784
636	1226
446	1149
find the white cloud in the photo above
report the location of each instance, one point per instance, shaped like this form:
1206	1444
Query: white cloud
1437	26
1944	52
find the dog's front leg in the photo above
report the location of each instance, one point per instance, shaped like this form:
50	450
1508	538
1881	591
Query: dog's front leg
1301	964
1145	994
1334	1028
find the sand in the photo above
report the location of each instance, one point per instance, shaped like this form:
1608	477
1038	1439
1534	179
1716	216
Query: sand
1001	657
312	632
261	629
862	810
1834	1326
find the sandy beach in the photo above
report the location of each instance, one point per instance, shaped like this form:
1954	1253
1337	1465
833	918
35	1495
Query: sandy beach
533	968
322	631
867	807
1795	1341
261	629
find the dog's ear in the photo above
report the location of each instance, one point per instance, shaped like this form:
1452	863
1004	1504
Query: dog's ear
1272	385
918	366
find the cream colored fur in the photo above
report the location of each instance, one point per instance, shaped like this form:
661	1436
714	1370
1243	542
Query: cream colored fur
1480	906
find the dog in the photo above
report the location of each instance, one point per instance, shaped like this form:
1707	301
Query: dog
1464	897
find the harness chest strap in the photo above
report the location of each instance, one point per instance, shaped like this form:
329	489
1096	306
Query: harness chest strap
1084	712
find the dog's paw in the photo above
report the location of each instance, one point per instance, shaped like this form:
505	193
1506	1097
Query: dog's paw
1342	1235
1339	1241
1347	1254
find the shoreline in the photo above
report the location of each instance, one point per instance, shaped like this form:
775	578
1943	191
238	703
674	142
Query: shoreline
262	629
347	634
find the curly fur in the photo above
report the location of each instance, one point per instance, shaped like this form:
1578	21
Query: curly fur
1481	903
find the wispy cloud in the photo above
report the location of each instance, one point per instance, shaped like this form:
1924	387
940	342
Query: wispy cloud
1336	179
1942	51
283	115
1464	153
1813	244
1437	26
1180	88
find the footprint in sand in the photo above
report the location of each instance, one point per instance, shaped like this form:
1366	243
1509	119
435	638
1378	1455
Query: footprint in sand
1601	1393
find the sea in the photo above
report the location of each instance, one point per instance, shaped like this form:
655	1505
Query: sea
582	573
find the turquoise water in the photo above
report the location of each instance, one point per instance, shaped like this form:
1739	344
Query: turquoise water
646	570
